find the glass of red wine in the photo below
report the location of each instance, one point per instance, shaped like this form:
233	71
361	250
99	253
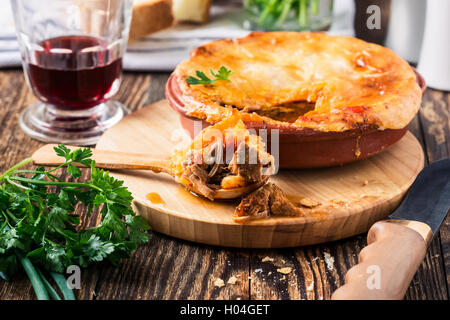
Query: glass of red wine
72	59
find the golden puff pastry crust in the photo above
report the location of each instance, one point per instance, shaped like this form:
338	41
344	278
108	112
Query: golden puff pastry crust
349	82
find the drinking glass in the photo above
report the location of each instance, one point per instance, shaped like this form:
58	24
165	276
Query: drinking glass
72	59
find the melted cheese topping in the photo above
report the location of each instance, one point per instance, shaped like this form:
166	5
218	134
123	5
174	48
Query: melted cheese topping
351	82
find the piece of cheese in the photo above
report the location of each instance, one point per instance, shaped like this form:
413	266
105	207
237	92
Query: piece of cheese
191	10
150	16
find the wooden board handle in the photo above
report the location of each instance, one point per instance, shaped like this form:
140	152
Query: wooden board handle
107	159
386	266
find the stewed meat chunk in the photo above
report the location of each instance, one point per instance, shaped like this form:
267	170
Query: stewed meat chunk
267	201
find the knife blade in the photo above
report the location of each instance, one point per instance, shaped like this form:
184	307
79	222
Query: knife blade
428	199
397	246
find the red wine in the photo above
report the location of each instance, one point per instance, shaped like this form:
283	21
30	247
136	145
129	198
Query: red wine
74	72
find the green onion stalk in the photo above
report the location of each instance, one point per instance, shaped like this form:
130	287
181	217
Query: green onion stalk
42	288
273	13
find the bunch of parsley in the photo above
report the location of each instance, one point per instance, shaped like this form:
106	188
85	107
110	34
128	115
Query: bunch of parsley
40	230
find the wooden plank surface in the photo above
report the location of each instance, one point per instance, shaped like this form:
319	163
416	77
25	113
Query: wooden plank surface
168	268
434	118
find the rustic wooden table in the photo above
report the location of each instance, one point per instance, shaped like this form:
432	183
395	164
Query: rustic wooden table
168	268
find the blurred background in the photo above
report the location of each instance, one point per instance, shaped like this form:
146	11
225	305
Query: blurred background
163	32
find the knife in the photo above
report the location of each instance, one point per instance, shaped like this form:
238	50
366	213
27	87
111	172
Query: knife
397	246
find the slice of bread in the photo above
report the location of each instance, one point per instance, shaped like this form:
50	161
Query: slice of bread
150	16
191	10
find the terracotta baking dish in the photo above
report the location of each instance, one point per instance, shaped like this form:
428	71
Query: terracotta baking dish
306	148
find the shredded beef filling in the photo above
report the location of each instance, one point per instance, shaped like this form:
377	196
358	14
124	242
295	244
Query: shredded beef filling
206	176
265	202
198	176
244	166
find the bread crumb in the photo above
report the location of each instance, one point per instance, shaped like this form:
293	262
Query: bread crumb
219	283
329	260
309	203
365	183
232	280
283	278
258	270
267	259
285	270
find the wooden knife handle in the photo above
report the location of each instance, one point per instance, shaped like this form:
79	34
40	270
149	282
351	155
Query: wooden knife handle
386	266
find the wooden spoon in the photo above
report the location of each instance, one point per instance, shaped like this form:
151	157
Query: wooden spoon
104	159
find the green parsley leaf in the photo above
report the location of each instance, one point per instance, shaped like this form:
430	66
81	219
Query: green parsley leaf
73	170
223	74
96	249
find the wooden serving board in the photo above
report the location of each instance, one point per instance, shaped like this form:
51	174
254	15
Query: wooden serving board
351	197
